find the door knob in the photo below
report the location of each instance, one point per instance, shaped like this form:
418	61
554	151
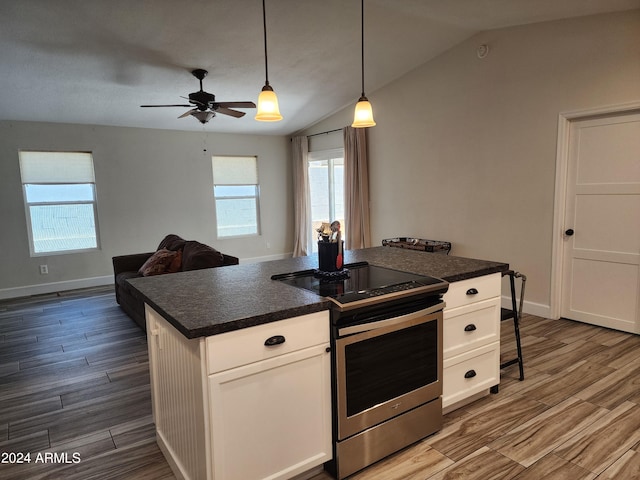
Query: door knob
569	232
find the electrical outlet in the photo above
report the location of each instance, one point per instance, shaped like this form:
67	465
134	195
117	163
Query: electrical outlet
44	269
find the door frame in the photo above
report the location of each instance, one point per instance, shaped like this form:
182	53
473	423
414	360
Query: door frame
562	164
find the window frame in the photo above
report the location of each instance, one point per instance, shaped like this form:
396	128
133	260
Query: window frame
256	197
28	205
329	155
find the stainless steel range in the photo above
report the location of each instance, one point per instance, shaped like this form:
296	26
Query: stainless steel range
386	334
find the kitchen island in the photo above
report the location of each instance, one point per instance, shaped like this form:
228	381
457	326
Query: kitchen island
226	406
213	301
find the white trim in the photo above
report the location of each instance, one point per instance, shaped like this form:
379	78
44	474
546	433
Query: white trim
562	162
532	308
266	258
169	455
28	290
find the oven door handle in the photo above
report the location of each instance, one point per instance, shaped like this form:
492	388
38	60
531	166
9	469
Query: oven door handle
366	327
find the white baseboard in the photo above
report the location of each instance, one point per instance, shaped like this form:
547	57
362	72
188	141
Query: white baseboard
531	308
29	290
266	258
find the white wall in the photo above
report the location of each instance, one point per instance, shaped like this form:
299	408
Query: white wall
464	149
149	183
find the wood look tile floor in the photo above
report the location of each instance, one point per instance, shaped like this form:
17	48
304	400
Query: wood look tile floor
74	381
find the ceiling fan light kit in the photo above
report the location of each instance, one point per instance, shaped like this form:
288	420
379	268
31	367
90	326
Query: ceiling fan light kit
203	117
363	114
268	109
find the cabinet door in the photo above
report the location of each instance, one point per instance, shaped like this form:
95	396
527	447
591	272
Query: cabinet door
272	419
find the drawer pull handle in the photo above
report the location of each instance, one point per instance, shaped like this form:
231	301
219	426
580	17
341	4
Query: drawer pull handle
472	291
470	328
273	341
470	374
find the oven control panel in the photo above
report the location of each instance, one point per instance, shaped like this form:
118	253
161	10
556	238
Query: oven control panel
375	296
376	292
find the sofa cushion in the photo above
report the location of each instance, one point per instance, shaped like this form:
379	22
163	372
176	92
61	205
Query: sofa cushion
196	255
172	242
158	263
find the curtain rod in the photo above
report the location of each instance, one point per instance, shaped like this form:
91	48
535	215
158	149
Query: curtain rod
325	133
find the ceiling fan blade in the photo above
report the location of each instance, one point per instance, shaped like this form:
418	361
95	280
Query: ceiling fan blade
228	111
146	106
186	114
237	104
194	102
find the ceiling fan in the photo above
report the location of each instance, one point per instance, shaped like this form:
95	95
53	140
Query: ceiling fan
204	105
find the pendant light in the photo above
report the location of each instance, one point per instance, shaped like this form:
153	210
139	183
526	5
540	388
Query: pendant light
268	110
363	115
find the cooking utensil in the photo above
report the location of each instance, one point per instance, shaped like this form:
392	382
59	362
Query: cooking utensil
339	260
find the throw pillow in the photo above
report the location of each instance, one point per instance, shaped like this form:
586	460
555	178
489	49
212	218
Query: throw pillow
176	263
158	263
196	256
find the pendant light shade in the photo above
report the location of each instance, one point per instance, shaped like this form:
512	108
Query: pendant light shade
363	115
203	117
268	109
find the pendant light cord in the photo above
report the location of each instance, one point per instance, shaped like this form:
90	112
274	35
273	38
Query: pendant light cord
264	29
361	43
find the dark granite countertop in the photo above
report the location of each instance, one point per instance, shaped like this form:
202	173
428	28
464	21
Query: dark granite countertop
217	300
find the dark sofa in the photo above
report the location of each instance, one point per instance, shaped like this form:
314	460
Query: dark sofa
174	254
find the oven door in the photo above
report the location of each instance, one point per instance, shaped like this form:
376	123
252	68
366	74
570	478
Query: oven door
386	367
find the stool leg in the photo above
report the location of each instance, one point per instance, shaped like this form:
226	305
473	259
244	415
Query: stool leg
516	324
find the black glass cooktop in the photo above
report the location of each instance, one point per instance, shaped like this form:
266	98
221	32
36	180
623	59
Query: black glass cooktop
361	281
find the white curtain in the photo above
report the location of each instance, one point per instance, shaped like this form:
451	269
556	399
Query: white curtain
356	188
301	197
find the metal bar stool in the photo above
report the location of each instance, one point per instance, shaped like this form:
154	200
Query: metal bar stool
514	313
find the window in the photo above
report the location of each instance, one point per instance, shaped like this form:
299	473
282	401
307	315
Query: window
326	189
236	194
60	201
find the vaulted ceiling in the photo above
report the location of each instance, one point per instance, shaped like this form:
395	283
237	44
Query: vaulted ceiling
97	61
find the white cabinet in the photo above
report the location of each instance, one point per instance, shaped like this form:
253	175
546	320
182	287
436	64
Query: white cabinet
270	406
471	335
229	407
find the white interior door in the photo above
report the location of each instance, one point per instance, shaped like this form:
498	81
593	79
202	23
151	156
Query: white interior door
601	256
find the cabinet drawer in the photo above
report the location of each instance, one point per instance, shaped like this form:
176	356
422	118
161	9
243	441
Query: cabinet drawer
473	290
470	373
471	326
241	347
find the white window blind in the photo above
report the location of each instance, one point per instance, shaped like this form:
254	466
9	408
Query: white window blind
56	167
235	171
